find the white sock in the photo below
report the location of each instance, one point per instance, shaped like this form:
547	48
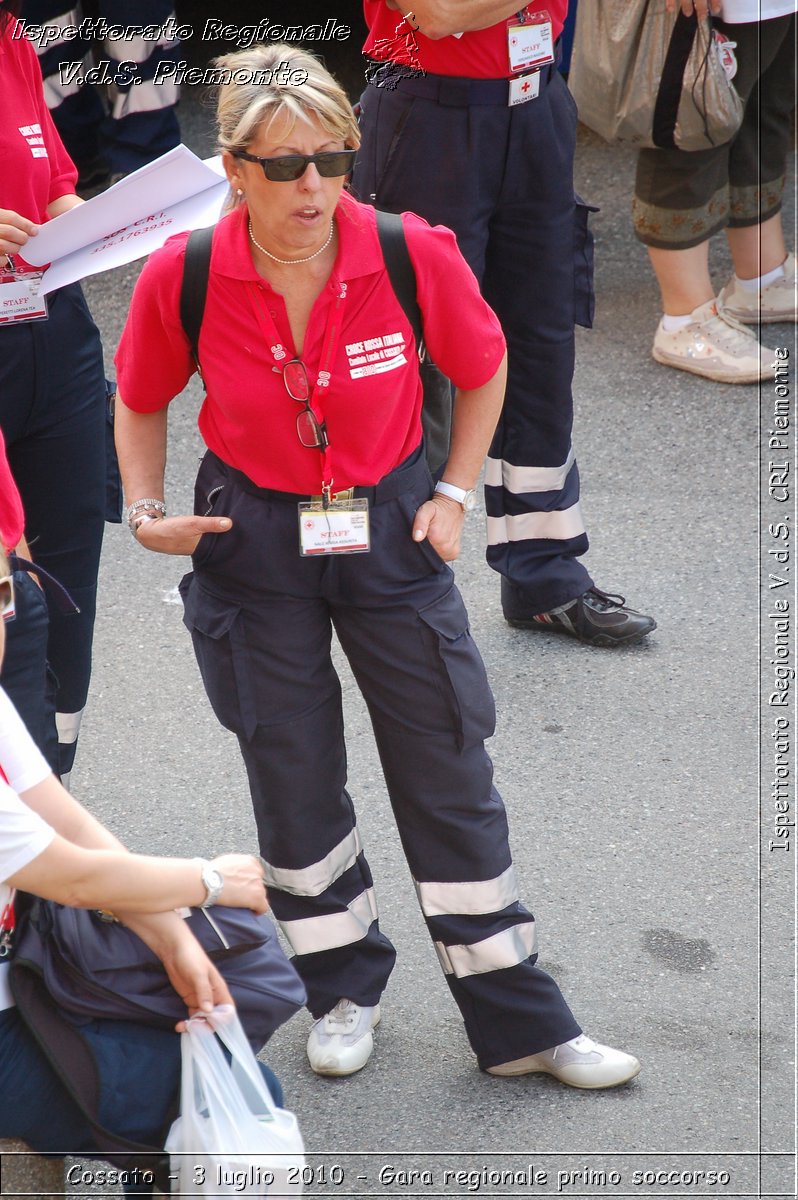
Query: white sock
674	324
756	285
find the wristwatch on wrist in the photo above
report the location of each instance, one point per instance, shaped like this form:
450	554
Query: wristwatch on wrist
467	499
213	882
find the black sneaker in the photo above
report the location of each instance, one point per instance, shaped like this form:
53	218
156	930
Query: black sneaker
596	618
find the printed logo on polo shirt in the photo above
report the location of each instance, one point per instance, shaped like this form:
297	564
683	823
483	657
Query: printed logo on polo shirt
376	355
33	136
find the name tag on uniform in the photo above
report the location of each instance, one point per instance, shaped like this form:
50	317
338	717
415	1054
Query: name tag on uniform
531	42
19	299
341	528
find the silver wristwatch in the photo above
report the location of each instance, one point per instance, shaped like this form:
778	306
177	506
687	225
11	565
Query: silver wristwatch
466	498
213	882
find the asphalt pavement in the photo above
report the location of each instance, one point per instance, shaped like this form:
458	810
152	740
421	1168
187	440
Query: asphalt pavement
630	777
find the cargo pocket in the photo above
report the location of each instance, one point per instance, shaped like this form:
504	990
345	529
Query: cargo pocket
460	668
584	298
384	119
217	630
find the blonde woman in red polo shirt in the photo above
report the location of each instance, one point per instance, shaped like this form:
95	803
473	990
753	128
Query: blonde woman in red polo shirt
317	511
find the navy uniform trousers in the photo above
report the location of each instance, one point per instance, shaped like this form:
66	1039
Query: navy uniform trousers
261	617
451	150
53	415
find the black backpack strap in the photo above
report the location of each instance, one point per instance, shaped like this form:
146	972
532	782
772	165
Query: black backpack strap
400	269
436	411
194	289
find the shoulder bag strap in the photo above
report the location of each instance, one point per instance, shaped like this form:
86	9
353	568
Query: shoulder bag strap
669	94
400	269
436	412
194	289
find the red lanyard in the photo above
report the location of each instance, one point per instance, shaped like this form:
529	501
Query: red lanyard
7	923
280	354
7	915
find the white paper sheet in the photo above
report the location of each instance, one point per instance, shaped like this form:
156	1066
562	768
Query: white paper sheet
131	219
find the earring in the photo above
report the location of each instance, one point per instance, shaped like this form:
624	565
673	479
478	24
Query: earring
239	192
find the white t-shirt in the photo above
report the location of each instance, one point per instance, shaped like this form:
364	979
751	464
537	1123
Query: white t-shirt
23	833
739	12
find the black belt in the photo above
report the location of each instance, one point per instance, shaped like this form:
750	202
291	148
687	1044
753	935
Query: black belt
404	478
453	91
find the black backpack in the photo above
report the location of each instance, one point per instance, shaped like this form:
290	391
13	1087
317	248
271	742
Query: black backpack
436	413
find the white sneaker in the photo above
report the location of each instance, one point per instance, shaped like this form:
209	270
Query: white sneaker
776	301
714	345
581	1063
341	1042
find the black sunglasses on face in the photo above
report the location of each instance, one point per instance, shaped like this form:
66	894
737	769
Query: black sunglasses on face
292	166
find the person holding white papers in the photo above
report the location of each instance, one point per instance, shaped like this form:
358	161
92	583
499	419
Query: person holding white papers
52	388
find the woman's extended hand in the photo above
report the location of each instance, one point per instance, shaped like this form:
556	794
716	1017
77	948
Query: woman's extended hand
700	7
179	535
193	976
14	231
244	886
440	520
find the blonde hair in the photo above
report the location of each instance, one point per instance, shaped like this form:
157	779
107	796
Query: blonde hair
264	82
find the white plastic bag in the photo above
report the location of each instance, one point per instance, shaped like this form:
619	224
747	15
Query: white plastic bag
230	1138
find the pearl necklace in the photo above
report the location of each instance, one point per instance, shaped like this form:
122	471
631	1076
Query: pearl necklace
290	262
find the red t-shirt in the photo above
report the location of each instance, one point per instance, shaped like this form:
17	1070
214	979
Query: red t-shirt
36	168
479	55
12	520
372	404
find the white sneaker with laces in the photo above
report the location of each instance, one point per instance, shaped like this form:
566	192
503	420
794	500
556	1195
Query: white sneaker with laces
581	1063
341	1042
776	301
714	345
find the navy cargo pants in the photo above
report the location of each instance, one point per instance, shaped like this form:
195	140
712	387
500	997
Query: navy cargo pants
261	618
53	416
451	150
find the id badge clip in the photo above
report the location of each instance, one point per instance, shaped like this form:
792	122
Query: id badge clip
530	40
342	527
19	295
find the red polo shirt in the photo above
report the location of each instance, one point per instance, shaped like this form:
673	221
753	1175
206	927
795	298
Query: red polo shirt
372	404
479	55
36	168
12	520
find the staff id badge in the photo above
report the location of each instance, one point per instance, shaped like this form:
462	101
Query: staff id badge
341	528
530	41
19	297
